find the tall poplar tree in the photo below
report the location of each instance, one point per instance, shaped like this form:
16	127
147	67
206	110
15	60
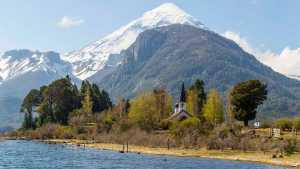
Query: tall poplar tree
196	98
87	102
213	109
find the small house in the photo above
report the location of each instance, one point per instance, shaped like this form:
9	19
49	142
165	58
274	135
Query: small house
180	112
256	124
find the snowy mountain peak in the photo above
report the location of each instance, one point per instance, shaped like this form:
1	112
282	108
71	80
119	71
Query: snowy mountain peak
99	56
14	63
167	14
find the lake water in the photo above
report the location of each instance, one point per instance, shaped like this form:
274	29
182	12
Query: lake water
34	155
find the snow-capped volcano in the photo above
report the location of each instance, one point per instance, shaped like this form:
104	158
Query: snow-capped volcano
14	63
99	55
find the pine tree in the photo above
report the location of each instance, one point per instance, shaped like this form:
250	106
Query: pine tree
84	87
96	97
183	94
245	98
105	101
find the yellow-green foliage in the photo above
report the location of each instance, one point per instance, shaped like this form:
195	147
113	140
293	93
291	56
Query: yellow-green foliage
190	122
106	122
52	131
296	123
145	110
142	111
163	102
213	109
186	126
196	98
87	103
192	102
108	119
284	123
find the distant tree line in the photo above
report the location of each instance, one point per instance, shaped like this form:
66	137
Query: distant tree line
61	110
55	102
63	103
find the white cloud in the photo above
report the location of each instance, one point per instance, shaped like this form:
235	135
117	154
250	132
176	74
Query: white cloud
242	42
68	22
286	62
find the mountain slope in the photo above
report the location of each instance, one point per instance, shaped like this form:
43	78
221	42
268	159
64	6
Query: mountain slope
99	56
166	56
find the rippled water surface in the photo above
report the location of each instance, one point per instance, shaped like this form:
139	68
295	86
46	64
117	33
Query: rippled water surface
34	155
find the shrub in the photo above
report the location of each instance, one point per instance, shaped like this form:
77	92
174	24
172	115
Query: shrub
264	145
124	125
225	137
183	127
186	131
284	124
64	132
33	134
296	123
53	131
265	124
214	144
165	124
290	146
47	131
108	122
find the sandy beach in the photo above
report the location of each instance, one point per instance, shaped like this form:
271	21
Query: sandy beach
260	157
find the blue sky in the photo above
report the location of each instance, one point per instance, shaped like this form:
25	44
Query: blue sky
33	24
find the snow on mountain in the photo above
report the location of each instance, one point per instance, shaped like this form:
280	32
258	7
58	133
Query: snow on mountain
98	55
14	63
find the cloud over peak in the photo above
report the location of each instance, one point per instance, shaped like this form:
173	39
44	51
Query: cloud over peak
68	22
286	62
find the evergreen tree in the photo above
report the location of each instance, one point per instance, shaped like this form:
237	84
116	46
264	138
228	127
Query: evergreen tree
213	109
59	99
105	102
127	106
28	122
85	85
245	98
196	98
100	99
96	96
32	99
183	94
